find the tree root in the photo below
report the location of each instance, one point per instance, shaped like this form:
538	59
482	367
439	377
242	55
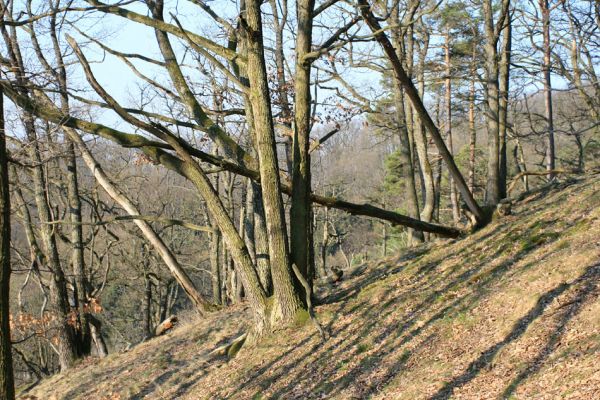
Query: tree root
230	349
308	291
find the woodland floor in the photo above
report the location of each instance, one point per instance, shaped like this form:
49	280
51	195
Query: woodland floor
512	311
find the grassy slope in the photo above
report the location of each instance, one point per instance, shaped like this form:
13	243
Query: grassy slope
510	312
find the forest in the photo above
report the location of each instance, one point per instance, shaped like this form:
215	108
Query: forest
226	179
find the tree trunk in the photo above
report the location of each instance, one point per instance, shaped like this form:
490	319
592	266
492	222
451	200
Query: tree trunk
287	300
407	169
546	68
405	126
263	264
492	33
7	384
96	332
491	71
417	103
248	223
147	304
215	265
504	72
67	350
165	253
82	332
448	97
215	254
301	239
325	243
282	84
421	144
472	130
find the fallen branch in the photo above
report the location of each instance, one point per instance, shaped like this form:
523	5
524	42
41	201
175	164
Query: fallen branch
166	325
42	108
148	218
516	178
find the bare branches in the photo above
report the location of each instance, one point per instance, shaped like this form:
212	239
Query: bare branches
168	28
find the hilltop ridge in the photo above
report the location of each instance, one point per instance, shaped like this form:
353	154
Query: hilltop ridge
511	311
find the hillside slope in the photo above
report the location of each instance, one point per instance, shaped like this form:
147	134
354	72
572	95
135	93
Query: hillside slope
512	311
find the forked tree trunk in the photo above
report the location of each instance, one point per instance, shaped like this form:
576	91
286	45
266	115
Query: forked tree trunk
287	300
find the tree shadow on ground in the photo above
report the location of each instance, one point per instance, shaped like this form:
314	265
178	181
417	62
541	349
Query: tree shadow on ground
482	268
587	292
584	286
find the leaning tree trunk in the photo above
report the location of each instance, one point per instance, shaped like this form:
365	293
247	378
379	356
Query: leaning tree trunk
417	103
165	253
7	385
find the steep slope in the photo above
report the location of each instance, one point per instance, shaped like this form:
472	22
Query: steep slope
512	311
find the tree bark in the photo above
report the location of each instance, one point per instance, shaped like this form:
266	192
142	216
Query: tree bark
300	212
7	384
546	68
504	85
492	33
421	143
448	98
287	300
